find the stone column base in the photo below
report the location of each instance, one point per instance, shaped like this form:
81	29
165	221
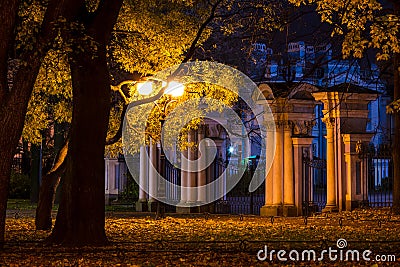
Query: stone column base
141	205
271	211
353	204
349	205
187	210
329	208
289	211
152	206
206	208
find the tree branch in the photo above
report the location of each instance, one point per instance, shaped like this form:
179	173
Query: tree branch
59	160
118	88
105	18
188	56
31	59
118	134
203	26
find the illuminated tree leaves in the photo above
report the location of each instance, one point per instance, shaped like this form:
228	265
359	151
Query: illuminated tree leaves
362	23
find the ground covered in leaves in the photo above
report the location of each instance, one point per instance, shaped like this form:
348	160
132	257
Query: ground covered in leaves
213	240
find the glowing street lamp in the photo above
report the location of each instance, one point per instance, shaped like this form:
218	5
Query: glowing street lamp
174	89
145	88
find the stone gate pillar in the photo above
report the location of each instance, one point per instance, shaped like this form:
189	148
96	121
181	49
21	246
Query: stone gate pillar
184	175
201	175
141	204
356	180
268	209
189	178
153	174
269	159
192	175
330	166
288	184
345	112
277	169
293	115
184	183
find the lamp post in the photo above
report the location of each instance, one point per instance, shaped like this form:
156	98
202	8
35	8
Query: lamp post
173	90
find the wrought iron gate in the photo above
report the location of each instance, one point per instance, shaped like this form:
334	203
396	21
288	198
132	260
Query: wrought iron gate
377	163
239	200
314	183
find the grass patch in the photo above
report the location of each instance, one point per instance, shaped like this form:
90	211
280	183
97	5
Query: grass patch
24	204
20	204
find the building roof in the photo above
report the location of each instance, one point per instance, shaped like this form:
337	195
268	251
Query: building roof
303	90
280	89
348	88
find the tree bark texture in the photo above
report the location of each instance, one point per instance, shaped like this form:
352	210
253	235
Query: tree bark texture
14	100
48	188
80	220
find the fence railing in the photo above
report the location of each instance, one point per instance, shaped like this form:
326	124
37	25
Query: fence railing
377	164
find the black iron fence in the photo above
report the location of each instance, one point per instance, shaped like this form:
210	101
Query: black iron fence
373	178
314	183
377	164
250	204
172	175
239	200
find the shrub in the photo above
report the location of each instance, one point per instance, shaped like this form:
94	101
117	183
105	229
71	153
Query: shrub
20	186
131	191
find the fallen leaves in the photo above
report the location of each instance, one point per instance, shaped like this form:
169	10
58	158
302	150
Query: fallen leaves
204	241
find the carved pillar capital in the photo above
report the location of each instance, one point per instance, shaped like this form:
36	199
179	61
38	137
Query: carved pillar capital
287	125
303	128
202	128
270	126
280	123
329	122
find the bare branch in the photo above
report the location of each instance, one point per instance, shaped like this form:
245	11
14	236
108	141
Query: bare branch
118	88
203	26
118	134
59	161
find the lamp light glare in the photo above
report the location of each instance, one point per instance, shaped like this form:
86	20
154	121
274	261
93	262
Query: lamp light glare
175	89
145	88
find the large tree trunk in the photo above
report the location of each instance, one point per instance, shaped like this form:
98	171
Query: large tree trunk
8	143
47	193
81	219
48	190
14	101
8	15
6	151
35	171
12	115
